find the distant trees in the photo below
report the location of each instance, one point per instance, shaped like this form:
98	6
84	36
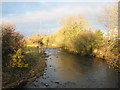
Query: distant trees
35	39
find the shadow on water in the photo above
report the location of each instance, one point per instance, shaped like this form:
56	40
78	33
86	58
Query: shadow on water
74	71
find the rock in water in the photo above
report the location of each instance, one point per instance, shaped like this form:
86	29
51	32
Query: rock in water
57	82
46	85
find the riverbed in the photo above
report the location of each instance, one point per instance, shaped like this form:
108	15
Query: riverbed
66	70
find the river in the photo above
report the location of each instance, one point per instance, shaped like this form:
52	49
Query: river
66	70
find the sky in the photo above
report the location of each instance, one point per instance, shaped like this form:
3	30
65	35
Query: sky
43	17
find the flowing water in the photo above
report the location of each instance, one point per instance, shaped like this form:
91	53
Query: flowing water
65	70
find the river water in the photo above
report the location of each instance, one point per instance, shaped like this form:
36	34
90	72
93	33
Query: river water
65	70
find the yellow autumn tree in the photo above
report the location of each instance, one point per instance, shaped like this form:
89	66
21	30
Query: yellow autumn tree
70	26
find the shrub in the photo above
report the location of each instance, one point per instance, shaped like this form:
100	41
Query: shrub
11	42
84	42
18	59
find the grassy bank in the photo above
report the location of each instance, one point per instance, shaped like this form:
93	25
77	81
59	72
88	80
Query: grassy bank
13	76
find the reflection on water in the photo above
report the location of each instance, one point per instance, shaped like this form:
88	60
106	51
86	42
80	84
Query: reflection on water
69	70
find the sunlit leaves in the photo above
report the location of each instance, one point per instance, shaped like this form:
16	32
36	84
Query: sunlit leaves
18	59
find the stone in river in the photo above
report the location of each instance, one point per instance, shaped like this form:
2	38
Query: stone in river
43	77
46	85
57	82
35	85
44	73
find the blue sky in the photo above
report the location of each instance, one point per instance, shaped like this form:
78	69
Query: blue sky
42	17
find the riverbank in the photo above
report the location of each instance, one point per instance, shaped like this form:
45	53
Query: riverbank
111	58
13	76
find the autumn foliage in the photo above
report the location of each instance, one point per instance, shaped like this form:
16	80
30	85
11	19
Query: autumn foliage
11	42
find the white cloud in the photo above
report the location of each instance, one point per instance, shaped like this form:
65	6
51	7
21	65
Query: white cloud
53	13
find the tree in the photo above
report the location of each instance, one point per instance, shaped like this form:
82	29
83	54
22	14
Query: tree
109	18
70	26
11	41
85	42
111	42
75	22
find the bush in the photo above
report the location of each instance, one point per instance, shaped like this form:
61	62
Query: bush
18	59
84	42
11	42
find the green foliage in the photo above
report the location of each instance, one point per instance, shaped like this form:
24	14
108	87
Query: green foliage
18	59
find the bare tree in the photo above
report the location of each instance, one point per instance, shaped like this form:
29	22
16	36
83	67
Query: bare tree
109	18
